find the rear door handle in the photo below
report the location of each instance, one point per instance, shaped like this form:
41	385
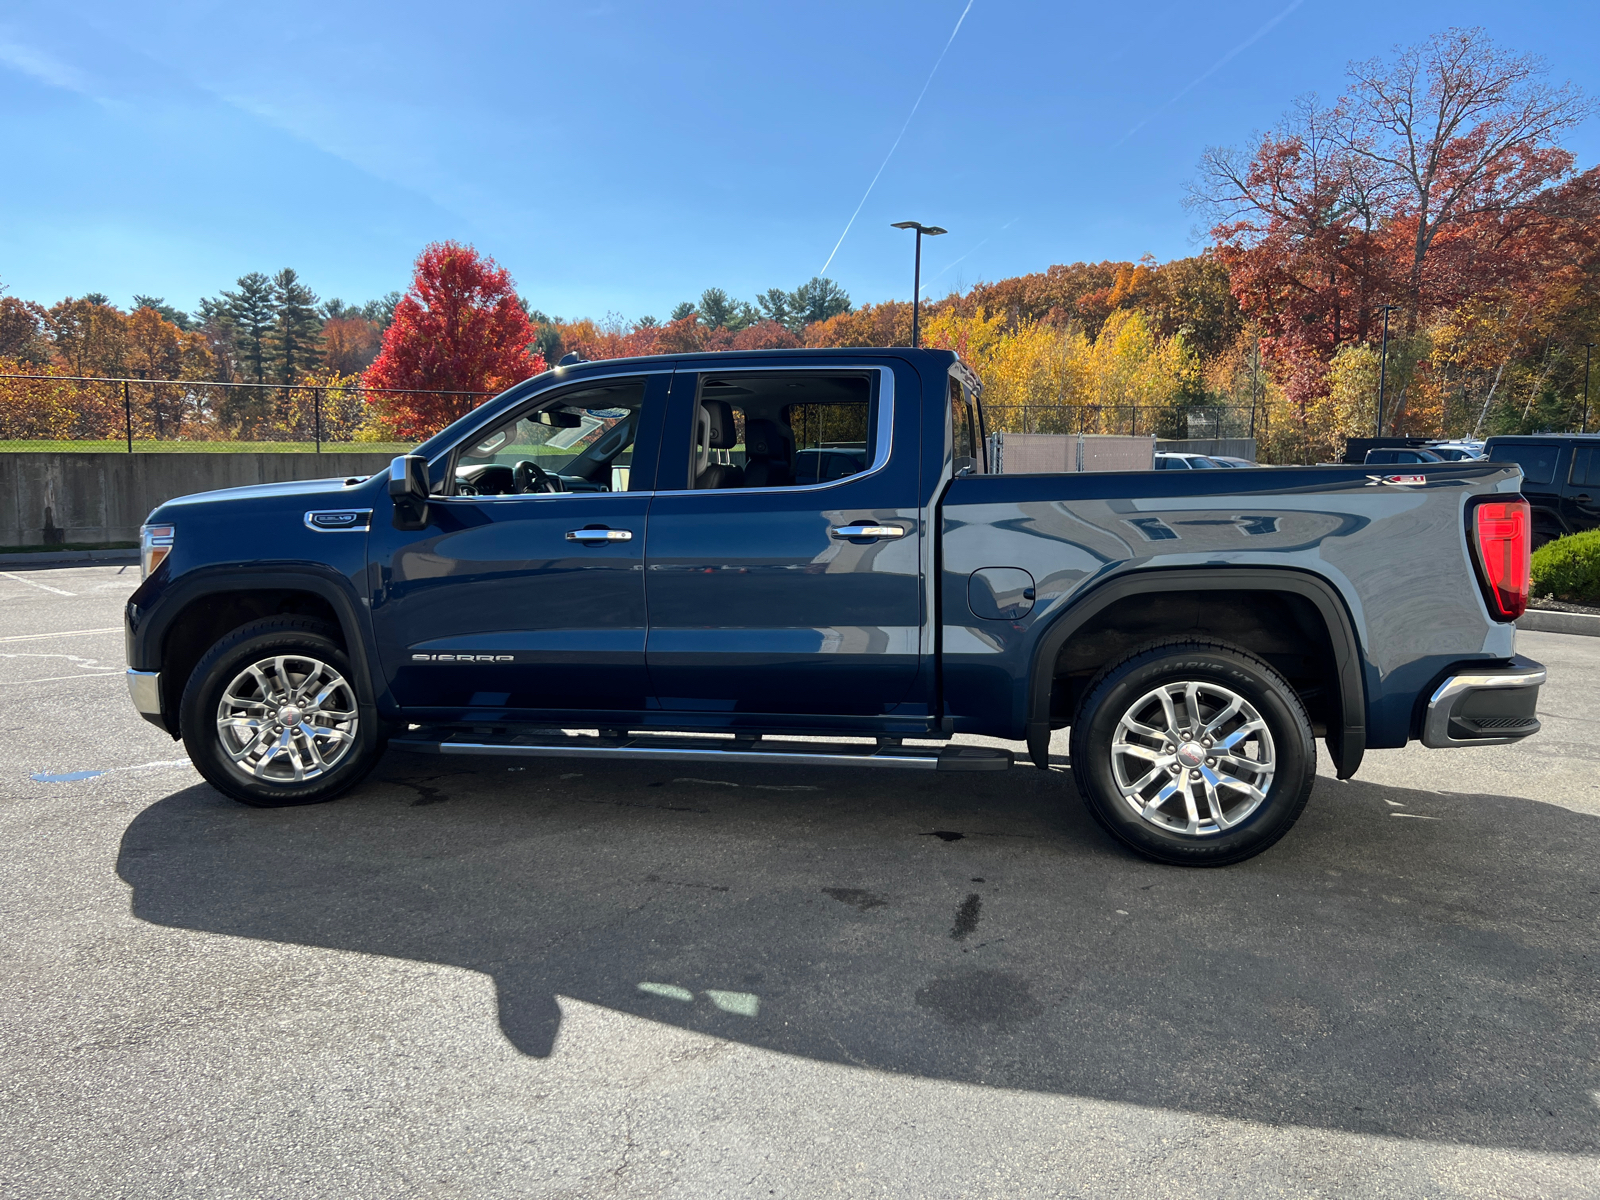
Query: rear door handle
868	531
1582	498
599	535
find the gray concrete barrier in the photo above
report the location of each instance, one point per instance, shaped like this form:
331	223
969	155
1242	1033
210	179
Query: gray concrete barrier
56	499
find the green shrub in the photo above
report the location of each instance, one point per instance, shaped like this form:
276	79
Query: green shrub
1568	569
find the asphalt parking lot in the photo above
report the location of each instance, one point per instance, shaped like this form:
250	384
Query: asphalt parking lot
583	980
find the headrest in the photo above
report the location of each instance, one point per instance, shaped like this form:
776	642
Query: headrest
765	439
719	418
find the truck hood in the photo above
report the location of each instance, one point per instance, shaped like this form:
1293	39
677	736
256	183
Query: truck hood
334	490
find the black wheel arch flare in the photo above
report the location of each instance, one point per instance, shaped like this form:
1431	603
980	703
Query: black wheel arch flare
1346	742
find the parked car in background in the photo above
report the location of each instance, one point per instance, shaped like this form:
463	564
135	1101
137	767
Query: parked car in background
1560	478
1402	455
1172	461
1227	460
1462	450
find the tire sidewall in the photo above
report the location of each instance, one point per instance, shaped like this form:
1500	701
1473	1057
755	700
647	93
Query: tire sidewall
1271	696
221	665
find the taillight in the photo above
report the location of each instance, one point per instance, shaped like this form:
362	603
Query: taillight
1503	543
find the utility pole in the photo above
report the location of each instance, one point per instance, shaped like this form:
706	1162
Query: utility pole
1383	367
916	276
1255	381
1587	347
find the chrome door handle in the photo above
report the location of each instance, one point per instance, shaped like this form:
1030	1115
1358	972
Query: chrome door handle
868	531
599	535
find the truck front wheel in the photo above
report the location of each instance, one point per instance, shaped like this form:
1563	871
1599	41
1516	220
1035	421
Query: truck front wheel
270	715
1193	753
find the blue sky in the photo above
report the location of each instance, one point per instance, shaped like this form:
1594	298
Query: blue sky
620	157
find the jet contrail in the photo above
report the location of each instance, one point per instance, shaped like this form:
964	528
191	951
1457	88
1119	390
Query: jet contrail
974	250
903	129
1213	69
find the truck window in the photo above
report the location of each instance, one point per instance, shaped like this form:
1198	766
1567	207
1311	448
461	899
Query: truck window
1538	462
782	429
585	438
965	450
1585	467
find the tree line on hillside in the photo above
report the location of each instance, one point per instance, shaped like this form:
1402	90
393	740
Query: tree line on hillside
1434	192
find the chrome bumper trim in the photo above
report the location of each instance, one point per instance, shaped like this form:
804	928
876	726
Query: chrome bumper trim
144	687
1442	704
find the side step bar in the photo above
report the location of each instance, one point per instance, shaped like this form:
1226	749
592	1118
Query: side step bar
655	748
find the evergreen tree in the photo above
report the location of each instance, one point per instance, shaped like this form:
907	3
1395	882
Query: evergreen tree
176	316
296	330
249	313
817	300
680	311
774	306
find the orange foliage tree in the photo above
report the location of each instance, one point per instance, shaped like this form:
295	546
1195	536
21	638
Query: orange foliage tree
458	329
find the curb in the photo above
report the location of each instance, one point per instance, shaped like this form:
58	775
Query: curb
68	557
1544	620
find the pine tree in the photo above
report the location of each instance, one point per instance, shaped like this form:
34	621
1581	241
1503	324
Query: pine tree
817	300
250	313
296	330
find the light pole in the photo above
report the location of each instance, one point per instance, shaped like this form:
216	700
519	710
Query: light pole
1383	366
1587	347
916	277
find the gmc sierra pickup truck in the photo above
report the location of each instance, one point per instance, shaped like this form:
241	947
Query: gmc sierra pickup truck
798	557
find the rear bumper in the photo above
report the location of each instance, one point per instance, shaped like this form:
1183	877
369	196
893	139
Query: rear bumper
144	689
1488	706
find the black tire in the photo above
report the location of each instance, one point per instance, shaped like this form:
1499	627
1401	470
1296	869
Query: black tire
1252	821
352	746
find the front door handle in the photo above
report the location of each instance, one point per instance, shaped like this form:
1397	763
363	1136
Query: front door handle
599	535
868	531
1582	498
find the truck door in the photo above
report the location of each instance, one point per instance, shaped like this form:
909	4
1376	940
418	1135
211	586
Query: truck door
524	597
1580	499
784	570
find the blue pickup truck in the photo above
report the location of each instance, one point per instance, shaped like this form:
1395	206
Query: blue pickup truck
799	557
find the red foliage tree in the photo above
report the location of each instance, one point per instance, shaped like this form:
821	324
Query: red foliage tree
459	328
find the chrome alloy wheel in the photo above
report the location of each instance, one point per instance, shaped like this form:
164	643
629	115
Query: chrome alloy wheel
1193	758
287	719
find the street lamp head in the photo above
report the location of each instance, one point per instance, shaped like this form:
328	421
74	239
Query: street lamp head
929	230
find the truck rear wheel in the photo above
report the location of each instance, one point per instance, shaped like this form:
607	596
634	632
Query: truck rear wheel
270	715
1193	753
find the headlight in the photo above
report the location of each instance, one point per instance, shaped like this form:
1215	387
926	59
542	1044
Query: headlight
155	543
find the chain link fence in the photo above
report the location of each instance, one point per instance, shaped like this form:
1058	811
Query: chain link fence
61	413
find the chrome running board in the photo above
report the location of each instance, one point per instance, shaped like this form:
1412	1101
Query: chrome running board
657	748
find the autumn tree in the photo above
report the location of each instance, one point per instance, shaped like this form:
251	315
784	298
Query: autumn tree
458	328
88	335
1427	183
22	331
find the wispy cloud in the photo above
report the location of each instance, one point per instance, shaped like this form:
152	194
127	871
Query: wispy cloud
1212	69
43	66
901	134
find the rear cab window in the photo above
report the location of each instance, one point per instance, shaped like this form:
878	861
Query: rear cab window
767	429
1538	460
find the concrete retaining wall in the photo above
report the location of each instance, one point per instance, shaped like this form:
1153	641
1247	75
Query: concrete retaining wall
53	499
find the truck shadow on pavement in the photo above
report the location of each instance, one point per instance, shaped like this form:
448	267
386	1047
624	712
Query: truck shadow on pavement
1404	963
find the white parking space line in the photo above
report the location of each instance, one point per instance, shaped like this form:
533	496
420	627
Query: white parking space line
39	637
34	583
58	678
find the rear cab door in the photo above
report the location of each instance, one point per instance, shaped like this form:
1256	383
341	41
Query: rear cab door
787	555
1580	499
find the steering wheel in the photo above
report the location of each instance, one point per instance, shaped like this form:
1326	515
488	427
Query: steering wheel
528	476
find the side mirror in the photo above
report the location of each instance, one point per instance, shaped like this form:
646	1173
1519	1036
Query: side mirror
408	489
